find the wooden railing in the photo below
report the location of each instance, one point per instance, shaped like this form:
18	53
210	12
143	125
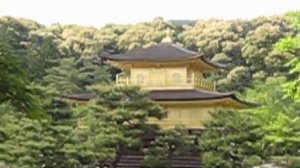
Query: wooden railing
192	82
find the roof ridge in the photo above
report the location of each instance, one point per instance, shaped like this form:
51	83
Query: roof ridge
184	49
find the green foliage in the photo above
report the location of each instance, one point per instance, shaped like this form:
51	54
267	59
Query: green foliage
75	75
288	44
143	35
129	103
60	141
292	45
61	123
127	111
22	139
294	163
94	143
232	81
15	86
42	51
245	46
169	144
278	115
292	88
232	139
293	19
115	120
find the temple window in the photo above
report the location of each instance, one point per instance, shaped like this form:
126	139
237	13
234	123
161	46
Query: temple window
140	79
176	78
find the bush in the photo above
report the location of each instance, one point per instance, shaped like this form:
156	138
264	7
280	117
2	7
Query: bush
251	161
211	160
294	162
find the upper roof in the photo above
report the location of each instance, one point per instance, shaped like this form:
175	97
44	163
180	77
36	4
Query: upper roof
161	52
165	51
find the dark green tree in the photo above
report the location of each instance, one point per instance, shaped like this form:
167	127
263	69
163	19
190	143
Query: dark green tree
169	144
22	139
232	139
75	75
15	85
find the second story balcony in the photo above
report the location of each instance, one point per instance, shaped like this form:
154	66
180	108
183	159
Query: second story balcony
165	83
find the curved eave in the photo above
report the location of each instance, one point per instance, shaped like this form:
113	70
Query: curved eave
243	104
204	63
220	100
229	101
213	65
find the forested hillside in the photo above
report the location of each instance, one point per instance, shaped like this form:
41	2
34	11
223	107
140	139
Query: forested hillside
38	64
246	46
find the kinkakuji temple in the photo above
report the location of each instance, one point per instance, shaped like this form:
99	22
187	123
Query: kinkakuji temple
174	77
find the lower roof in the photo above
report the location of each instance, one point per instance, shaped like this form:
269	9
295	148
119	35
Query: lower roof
185	94
174	96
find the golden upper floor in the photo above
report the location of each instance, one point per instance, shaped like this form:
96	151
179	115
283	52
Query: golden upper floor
164	78
164	66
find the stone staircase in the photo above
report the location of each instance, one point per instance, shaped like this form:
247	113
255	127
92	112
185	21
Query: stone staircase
136	161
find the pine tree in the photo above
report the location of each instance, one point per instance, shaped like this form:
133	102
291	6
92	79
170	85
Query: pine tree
22	139
167	145
76	75
15	86
114	121
232	139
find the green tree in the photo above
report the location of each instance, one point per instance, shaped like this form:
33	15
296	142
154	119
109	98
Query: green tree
278	117
75	75
114	121
292	45
245	46
143	35
167	145
42	53
22	139
128	109
232	139
15	86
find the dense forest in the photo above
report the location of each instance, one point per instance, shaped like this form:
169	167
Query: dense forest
38	64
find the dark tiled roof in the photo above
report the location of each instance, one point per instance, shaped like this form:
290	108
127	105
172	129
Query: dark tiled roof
162	95
190	95
160	52
173	95
80	96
